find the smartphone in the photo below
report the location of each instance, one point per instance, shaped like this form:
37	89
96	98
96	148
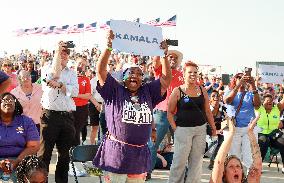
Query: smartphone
225	79
171	42
248	71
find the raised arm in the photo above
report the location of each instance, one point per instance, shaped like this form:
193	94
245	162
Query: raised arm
166	77
208	112
230	97
102	62
280	105
218	169
4	85
172	105
256	167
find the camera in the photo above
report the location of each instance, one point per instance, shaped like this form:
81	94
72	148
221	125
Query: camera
70	44
171	42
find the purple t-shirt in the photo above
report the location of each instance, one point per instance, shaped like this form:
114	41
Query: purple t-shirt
14	137
129	125
3	77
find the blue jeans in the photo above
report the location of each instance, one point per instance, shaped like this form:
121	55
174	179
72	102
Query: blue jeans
162	127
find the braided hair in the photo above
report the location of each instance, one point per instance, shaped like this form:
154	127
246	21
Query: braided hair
29	165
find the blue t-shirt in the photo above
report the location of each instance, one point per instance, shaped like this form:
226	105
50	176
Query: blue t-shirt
3	77
246	113
214	87
129	124
14	137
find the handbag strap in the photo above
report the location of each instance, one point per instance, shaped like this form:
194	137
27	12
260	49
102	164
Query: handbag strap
240	104
195	105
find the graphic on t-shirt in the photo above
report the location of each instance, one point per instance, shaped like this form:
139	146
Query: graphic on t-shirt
83	83
20	129
132	114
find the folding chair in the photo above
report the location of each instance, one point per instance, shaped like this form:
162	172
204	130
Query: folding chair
273	154
83	153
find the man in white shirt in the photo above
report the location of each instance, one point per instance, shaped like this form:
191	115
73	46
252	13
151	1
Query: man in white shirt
59	85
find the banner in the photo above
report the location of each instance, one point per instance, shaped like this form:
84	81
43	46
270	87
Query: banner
136	38
271	73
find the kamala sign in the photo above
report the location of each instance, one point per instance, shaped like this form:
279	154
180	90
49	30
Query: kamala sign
270	73
136	38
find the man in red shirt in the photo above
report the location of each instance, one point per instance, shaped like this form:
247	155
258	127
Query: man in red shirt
81	101
160	113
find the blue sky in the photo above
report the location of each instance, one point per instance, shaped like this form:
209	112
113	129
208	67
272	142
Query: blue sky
230	33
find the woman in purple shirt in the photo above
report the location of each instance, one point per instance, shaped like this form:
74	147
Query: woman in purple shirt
18	134
124	154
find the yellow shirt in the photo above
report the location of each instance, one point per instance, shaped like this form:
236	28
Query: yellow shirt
268	121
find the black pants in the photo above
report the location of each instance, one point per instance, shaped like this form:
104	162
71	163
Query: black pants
57	128
265	141
81	119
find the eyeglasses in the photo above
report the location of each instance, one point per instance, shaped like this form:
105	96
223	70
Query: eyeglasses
7	101
7	65
213	96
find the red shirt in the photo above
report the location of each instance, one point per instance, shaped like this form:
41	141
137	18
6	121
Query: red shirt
176	82
84	87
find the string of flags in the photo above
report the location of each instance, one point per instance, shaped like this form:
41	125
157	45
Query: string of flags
81	27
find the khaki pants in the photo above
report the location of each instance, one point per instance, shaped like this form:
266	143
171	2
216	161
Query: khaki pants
110	177
189	149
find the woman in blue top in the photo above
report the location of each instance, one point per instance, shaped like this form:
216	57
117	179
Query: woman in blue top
18	134
242	86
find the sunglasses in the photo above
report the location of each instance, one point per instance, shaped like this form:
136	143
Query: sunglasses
7	65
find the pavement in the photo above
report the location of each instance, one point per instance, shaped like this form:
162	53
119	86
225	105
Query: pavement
270	174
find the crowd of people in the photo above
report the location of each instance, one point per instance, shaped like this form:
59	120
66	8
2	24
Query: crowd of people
144	112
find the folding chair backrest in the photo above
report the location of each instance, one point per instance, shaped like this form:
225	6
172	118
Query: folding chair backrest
83	153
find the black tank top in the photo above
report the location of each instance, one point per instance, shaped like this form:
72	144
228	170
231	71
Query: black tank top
190	110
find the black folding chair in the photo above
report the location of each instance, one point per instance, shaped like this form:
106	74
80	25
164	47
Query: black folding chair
83	153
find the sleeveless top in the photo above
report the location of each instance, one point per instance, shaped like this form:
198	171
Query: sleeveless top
190	110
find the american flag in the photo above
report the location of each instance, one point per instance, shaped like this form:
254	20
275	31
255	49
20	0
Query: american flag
19	32
171	22
47	30
36	30
78	28
155	22
91	27
136	20
58	30
105	26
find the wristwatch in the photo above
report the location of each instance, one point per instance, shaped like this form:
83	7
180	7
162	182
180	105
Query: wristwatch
60	85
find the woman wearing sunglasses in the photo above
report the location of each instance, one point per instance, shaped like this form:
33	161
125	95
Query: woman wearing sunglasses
241	99
7	68
124	154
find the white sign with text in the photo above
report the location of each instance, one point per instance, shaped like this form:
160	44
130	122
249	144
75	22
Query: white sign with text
271	73
136	38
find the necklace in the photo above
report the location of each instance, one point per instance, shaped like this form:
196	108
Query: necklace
196	90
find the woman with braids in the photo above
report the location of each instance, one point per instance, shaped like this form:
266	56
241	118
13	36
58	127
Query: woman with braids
18	135
32	170
229	169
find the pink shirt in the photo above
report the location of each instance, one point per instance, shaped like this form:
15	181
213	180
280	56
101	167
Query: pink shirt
14	82
31	104
176	82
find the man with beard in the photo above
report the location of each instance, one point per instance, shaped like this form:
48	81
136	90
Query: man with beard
160	113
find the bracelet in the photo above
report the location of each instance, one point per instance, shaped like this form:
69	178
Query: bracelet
109	49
